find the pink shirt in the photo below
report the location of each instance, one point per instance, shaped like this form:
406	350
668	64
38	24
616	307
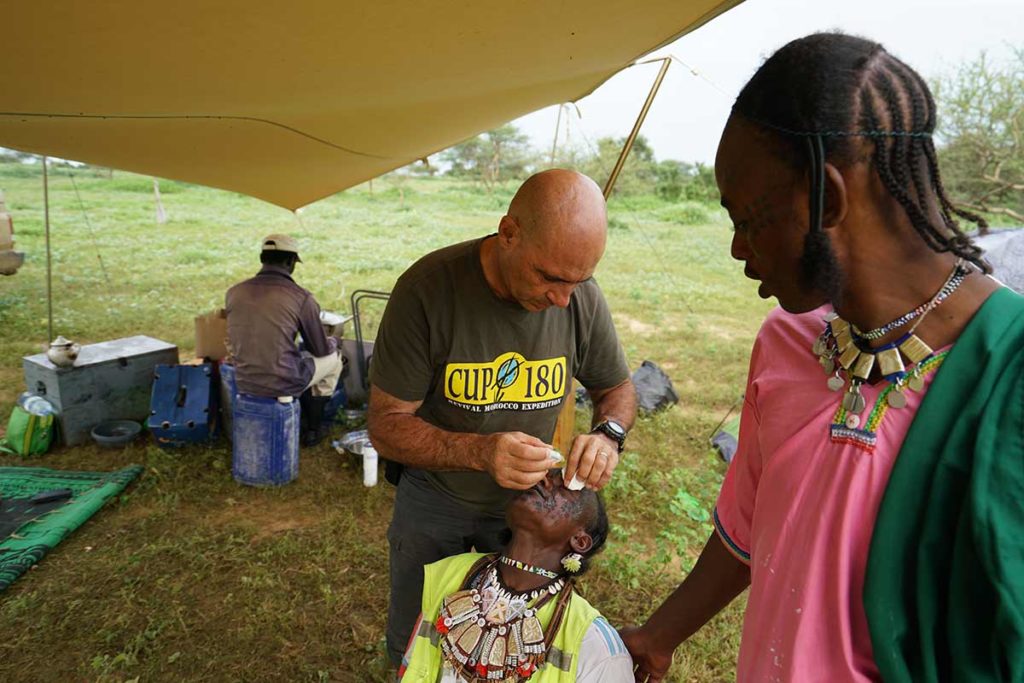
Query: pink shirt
798	504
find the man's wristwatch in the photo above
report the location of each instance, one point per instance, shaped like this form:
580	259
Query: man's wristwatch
612	430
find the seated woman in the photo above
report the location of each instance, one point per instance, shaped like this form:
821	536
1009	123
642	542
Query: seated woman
516	616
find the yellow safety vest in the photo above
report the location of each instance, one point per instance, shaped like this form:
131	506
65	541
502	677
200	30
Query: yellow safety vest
443	578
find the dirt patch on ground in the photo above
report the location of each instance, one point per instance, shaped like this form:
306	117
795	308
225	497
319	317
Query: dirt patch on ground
279	526
722	332
637	327
267	518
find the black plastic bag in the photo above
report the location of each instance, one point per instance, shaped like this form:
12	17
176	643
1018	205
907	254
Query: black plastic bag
726	439
654	389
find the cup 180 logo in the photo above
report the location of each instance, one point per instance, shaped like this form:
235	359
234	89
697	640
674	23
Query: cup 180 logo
509	382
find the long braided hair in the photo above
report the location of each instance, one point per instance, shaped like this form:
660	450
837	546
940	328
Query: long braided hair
824	92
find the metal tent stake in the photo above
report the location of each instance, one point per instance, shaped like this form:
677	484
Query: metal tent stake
636	128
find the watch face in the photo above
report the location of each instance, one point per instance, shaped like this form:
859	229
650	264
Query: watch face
616	428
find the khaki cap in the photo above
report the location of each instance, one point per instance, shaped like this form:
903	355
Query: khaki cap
282	243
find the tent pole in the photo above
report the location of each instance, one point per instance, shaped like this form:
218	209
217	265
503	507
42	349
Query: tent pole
49	263
554	143
161	215
636	128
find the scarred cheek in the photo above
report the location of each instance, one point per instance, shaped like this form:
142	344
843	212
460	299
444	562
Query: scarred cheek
544	505
570	507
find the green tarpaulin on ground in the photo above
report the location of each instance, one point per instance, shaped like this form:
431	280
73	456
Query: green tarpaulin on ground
29	531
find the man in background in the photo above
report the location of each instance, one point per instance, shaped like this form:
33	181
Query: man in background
265	313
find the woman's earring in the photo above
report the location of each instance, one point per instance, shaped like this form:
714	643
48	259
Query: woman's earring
572	562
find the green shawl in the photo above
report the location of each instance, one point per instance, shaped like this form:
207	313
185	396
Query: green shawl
944	589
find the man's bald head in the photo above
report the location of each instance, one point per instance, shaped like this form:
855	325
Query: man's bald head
550	241
561	206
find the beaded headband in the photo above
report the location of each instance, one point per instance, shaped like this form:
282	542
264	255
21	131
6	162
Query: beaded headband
816	152
838	133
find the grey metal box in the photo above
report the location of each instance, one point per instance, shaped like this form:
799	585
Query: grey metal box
111	380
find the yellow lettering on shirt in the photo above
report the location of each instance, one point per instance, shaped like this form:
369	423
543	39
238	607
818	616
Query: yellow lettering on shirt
509	382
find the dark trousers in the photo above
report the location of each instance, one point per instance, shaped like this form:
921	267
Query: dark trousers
427	526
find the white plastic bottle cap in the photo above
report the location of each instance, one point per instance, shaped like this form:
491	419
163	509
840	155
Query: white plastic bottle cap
557	458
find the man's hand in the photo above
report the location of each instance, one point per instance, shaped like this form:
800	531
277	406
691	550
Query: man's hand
650	664
592	459
517	460
716	579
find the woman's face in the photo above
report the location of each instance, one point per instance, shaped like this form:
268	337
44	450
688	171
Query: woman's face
550	512
767	202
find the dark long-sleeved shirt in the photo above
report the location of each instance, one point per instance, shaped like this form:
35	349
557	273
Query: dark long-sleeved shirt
264	314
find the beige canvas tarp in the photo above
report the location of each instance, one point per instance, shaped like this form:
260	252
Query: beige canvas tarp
293	101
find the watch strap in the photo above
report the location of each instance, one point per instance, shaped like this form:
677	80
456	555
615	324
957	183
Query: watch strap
607	430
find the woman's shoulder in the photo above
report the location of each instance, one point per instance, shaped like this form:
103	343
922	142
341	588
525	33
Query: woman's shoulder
603	656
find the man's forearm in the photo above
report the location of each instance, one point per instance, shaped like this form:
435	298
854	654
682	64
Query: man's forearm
715	581
414	442
617	404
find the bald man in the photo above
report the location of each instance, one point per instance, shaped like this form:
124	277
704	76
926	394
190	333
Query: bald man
472	364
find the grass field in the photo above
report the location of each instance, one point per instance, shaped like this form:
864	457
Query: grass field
188	576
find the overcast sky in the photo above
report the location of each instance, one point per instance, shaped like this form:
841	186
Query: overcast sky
687	117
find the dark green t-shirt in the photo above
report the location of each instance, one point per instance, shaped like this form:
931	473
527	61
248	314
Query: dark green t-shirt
483	365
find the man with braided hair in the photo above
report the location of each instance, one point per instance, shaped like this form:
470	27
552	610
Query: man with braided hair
874	509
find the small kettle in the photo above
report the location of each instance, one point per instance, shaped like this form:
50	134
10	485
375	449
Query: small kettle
63	352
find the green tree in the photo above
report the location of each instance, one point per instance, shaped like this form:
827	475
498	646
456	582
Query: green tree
421	167
672	178
981	123
492	156
702	186
639	175
682	181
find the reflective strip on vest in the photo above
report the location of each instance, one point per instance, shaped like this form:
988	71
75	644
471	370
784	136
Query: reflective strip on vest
559	659
428	630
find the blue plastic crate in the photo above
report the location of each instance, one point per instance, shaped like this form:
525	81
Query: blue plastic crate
183	406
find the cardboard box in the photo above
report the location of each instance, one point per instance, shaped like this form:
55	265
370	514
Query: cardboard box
212	335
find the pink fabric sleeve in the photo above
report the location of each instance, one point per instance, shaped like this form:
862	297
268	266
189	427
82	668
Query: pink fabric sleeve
734	511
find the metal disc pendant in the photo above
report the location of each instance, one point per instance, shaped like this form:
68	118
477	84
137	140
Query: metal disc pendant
916	382
854	403
827	364
835	383
819	347
897	399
